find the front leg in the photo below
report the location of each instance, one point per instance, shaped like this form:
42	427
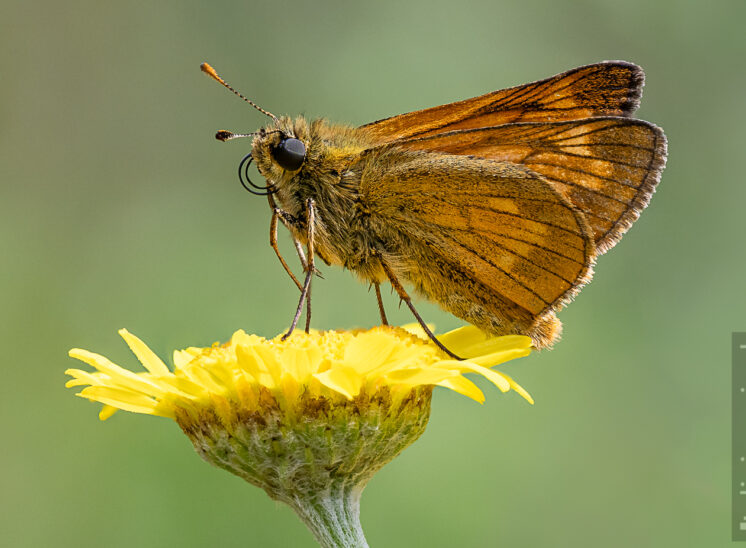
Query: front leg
310	270
289	222
277	214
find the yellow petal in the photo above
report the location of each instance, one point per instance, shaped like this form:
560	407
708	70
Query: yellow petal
496	358
463	337
224	370
464	386
204	377
291	389
266	359
106	412
409	355
240	337
180	385
119	375
420	376
122	399
343	379
464	366
250	361
368	350
518	388
182	358
470	341
416	330
297	363
81	377
147	357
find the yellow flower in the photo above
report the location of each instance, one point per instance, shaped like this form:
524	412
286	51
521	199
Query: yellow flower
333	364
310	419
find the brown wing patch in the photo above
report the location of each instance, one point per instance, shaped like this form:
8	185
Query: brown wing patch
607	167
612	88
497	224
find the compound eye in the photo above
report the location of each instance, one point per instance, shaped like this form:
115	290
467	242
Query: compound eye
289	154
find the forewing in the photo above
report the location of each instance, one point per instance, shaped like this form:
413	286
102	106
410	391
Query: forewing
611	88
607	167
498	227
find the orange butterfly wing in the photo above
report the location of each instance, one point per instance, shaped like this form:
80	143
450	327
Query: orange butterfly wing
519	235
611	88
607	167
510	245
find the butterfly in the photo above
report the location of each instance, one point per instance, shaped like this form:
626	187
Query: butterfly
494	207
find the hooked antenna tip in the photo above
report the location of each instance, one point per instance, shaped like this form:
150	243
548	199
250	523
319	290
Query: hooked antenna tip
225	135
212	73
207	69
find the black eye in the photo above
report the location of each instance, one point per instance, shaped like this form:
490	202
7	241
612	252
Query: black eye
290	154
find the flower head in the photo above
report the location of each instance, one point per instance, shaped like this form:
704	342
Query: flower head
335	365
310	419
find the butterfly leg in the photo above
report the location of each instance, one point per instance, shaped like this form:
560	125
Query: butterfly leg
301	253
288	222
310	270
404	296
302	256
278	214
308	303
381	311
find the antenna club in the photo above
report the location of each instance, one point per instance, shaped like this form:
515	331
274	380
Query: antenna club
207	69
224	135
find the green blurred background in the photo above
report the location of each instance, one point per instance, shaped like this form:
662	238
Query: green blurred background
120	209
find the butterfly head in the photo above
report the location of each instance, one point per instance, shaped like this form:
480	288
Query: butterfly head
276	149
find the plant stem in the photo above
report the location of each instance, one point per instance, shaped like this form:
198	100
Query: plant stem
333	516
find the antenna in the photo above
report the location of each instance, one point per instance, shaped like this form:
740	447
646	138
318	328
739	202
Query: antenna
225	135
207	69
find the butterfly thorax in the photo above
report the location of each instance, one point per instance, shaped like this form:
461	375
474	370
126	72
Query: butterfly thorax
341	234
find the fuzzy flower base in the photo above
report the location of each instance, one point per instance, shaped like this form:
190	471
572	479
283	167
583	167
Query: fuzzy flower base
317	461
310	420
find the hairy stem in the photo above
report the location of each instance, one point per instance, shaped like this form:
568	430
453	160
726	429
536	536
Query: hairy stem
333	516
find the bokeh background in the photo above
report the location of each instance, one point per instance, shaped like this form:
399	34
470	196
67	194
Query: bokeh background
118	208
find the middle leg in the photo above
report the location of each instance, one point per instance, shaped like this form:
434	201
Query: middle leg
404	296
